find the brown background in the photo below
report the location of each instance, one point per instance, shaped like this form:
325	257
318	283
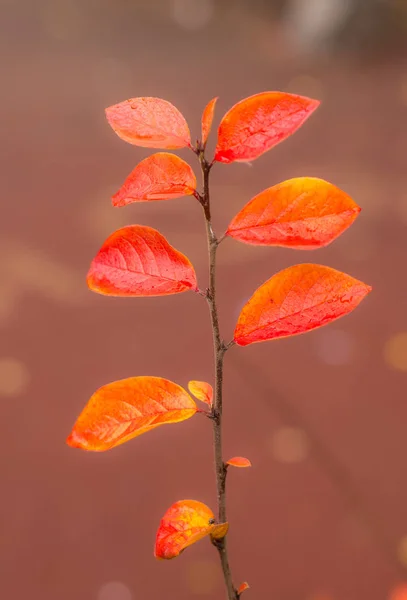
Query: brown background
322	515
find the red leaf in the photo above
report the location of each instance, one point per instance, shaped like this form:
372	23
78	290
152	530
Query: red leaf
149	122
256	124
297	300
127	408
184	523
159	177
138	261
207	118
201	390
303	213
242	587
239	461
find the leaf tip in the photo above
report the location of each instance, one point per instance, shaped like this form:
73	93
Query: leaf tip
90	281
157	556
242	587
118	200
239	340
366	289
109	114
73	440
313	103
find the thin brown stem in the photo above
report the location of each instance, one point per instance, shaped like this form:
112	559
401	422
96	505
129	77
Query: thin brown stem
221	238
219	353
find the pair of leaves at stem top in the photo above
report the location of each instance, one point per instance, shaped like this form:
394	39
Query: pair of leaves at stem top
250	128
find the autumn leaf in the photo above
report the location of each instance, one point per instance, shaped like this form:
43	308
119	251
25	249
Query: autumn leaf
184	523
256	124
207	118
150	123
242	587
201	390
122	410
303	213
138	261
296	300
159	177
219	531
239	461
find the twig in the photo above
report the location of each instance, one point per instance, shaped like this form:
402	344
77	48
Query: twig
221	238
219	352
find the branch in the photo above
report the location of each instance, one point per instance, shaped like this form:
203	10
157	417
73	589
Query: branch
219	353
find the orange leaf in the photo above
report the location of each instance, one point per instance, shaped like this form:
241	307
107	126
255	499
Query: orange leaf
297	300
207	118
304	213
201	390
239	461
127	408
242	587
256	124
149	122
159	177
219	531
184	523
138	261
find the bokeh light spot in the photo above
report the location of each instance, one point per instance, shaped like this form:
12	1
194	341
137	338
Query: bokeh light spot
14	377
289	445
114	590
395	351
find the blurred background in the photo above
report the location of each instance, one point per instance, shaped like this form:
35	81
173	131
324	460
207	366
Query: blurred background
322	514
